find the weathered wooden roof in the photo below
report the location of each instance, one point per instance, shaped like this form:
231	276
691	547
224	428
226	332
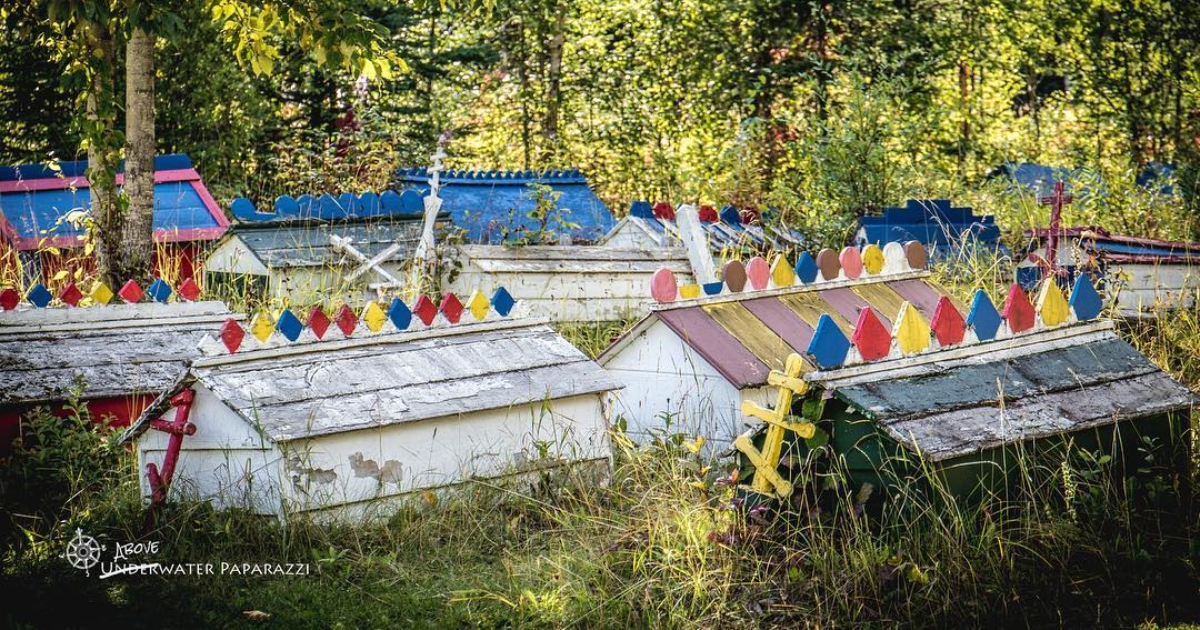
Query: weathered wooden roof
307	243
727	230
313	389
1119	248
948	404
116	350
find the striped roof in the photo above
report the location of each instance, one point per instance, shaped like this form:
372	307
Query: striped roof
746	335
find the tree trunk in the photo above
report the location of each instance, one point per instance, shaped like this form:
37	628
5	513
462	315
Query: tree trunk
103	155
136	253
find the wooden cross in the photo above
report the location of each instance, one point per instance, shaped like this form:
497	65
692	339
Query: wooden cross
160	482
433	205
1056	203
767	479
695	240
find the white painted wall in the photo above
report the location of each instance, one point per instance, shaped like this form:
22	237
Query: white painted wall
664	377
228	463
232	256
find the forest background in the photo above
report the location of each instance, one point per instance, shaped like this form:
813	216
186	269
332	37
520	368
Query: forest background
824	110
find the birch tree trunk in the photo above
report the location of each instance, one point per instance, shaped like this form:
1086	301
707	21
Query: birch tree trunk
103	154
136	249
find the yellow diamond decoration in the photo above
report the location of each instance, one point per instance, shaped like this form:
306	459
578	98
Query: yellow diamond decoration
373	316
911	330
1051	304
782	274
479	305
101	294
872	259
689	291
262	326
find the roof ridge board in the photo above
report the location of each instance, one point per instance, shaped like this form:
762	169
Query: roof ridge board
369	339
259	405
852	375
198	322
819	285
361	350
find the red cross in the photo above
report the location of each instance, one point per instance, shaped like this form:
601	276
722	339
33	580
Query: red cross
177	428
1056	203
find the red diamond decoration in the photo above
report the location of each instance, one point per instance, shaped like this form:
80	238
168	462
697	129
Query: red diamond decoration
131	292
1018	311
452	308
947	323
871	337
318	321
70	294
9	299
425	310
346	320
232	335
189	290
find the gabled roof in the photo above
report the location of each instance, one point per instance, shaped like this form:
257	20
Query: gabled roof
953	403
319	388
296	232
486	204
938	225
34	199
1119	248
727	230
115	349
746	333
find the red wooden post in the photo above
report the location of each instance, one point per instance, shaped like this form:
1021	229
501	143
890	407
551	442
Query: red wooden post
179	427
1056	203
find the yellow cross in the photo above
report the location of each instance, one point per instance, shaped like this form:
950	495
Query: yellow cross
767	479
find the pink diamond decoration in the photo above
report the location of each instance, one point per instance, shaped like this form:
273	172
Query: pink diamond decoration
425	310
70	294
232	335
452	308
346	320
189	290
9	299
131	292
318	321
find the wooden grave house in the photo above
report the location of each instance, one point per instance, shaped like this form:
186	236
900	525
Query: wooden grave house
343	411
902	372
943	229
116	352
556	268
730	233
42	207
310	249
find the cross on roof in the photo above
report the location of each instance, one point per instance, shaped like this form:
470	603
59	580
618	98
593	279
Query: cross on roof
1056	203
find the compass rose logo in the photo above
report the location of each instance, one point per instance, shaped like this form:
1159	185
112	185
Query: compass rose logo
83	552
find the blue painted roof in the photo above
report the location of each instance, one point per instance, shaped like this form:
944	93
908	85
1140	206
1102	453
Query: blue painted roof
1157	176
486	204
77	168
34	200
938	225
344	207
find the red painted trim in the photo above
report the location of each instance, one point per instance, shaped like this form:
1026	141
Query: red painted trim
1105	235
211	204
63	183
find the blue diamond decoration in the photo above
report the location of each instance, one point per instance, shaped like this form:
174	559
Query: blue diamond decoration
502	302
828	345
39	296
159	291
983	318
806	268
1085	301
399	314
289	325
713	288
